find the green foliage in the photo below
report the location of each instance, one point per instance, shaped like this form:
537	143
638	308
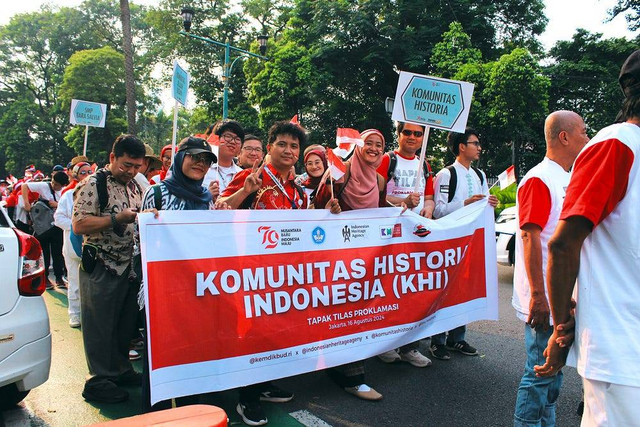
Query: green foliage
506	197
584	77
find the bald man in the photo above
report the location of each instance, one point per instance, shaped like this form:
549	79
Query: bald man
539	203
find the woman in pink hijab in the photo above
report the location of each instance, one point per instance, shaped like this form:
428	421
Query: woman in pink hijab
361	187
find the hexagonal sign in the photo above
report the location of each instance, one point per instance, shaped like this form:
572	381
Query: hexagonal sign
87	113
433	102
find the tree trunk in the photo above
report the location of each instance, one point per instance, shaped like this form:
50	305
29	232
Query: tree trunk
125	17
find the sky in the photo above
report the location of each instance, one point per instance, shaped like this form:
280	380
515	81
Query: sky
564	16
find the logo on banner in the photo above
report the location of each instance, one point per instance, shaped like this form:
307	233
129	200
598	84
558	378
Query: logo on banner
318	235
389	231
270	238
421	231
346	233
385	231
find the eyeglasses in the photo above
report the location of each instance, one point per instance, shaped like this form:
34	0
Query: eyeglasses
416	133
201	158
229	137
476	143
256	149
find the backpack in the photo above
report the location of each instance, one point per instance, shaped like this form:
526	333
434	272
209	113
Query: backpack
393	163
42	215
103	195
453	181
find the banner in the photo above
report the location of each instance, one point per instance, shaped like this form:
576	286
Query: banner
237	297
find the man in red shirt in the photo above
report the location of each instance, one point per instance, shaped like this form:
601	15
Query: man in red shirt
271	186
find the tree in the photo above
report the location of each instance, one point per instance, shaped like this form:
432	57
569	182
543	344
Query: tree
127	47
632	9
517	104
584	76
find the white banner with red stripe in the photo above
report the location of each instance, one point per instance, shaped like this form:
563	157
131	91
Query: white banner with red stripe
239	297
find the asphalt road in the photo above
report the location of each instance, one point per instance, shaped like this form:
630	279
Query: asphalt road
469	391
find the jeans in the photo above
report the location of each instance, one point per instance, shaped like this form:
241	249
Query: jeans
455	335
537	396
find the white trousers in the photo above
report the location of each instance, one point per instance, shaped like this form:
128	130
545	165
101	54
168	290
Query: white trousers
608	404
72	261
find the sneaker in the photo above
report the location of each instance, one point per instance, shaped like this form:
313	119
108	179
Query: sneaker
439	351
60	284
275	395
74	321
48	285
137	344
364	392
463	347
389	356
252	414
416	358
106	392
134	355
129	378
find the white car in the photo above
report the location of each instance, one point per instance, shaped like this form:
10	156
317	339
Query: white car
506	228
25	337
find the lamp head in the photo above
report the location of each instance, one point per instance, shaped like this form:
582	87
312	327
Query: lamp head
262	41
187	17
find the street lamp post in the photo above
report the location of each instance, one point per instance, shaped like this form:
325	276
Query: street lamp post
187	16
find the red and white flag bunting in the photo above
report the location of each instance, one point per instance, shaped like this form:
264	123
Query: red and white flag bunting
337	168
507	177
346	140
214	142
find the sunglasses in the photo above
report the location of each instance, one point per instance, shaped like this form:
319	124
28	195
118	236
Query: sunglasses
476	143
89	172
201	158
416	133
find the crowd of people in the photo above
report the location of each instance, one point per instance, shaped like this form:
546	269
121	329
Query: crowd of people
85	220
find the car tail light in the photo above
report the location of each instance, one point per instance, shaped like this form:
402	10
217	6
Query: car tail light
31	281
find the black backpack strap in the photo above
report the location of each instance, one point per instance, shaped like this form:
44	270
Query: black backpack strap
453	182
393	163
479	175
157	196
101	186
347	176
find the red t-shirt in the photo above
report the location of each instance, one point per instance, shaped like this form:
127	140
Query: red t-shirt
269	196
534	203
599	181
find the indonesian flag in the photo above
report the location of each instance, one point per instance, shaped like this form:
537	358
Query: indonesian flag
214	142
337	168
294	120
507	177
346	141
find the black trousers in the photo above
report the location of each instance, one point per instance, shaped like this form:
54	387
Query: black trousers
51	242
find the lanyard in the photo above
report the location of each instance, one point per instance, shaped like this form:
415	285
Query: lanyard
280	187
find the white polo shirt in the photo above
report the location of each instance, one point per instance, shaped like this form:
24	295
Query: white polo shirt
539	201
605	189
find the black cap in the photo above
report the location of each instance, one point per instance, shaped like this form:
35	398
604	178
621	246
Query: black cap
193	145
630	75
58	168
